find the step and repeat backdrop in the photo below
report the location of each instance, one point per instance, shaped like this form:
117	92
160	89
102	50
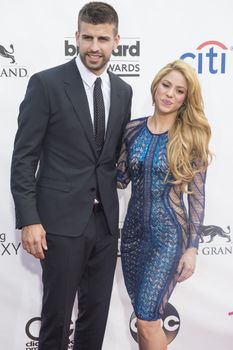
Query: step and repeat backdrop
35	35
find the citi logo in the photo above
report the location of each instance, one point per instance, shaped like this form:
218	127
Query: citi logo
210	56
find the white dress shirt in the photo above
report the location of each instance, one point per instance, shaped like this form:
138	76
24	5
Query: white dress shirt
89	79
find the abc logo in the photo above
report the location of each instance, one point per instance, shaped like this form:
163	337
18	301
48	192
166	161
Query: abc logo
170	321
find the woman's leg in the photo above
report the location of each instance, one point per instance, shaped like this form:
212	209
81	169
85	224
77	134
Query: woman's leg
151	335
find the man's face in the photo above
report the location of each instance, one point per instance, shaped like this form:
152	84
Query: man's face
96	43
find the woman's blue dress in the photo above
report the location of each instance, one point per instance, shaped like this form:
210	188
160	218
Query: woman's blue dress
157	228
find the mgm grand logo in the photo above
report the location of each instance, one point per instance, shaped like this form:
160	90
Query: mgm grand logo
8	67
7	54
214	240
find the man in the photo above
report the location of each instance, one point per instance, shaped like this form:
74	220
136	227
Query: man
63	180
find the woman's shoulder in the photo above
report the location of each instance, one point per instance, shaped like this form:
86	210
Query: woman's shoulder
133	127
136	123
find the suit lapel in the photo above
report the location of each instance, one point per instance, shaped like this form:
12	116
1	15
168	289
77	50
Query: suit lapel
76	93
114	111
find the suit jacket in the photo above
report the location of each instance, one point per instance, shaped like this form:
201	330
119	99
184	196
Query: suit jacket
55	168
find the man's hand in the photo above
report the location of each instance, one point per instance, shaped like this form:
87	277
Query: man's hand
187	264
34	241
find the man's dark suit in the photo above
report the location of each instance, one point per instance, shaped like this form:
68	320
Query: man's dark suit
55	129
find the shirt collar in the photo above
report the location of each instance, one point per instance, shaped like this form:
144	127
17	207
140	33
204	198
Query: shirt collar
87	76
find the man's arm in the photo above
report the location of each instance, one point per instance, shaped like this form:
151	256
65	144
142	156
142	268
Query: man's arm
32	126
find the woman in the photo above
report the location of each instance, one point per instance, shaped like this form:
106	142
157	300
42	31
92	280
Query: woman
164	156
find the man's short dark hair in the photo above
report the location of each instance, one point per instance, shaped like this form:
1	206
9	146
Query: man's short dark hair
96	12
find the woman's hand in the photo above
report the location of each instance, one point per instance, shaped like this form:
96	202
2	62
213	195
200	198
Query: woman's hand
187	264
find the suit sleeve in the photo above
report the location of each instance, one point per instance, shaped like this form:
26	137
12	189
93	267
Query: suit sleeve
123	176
32	125
126	120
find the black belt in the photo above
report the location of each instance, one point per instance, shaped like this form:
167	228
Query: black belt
97	207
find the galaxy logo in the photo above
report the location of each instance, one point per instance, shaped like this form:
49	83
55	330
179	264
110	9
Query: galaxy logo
210	56
7	247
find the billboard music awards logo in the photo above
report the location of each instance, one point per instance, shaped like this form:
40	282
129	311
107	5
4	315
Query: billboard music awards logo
125	60
170	321
214	240
210	56
8	64
8	248
32	329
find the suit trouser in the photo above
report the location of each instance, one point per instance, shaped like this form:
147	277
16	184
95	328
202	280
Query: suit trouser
86	265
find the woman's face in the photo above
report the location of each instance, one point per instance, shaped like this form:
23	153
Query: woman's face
170	93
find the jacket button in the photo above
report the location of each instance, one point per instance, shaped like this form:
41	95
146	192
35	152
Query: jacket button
92	189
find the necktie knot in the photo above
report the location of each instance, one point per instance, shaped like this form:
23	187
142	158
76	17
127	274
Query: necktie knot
98	81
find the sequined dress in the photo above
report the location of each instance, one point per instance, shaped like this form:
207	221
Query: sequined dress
157	228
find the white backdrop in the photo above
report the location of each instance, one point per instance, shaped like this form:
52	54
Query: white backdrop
153	33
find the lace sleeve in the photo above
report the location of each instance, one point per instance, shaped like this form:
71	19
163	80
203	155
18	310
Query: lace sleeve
123	176
131	131
196	202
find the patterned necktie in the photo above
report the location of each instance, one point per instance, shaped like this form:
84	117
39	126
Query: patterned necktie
99	116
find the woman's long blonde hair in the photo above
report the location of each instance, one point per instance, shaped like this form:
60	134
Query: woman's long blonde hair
187	149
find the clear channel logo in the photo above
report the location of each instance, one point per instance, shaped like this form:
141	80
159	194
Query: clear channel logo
32	332
209	57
